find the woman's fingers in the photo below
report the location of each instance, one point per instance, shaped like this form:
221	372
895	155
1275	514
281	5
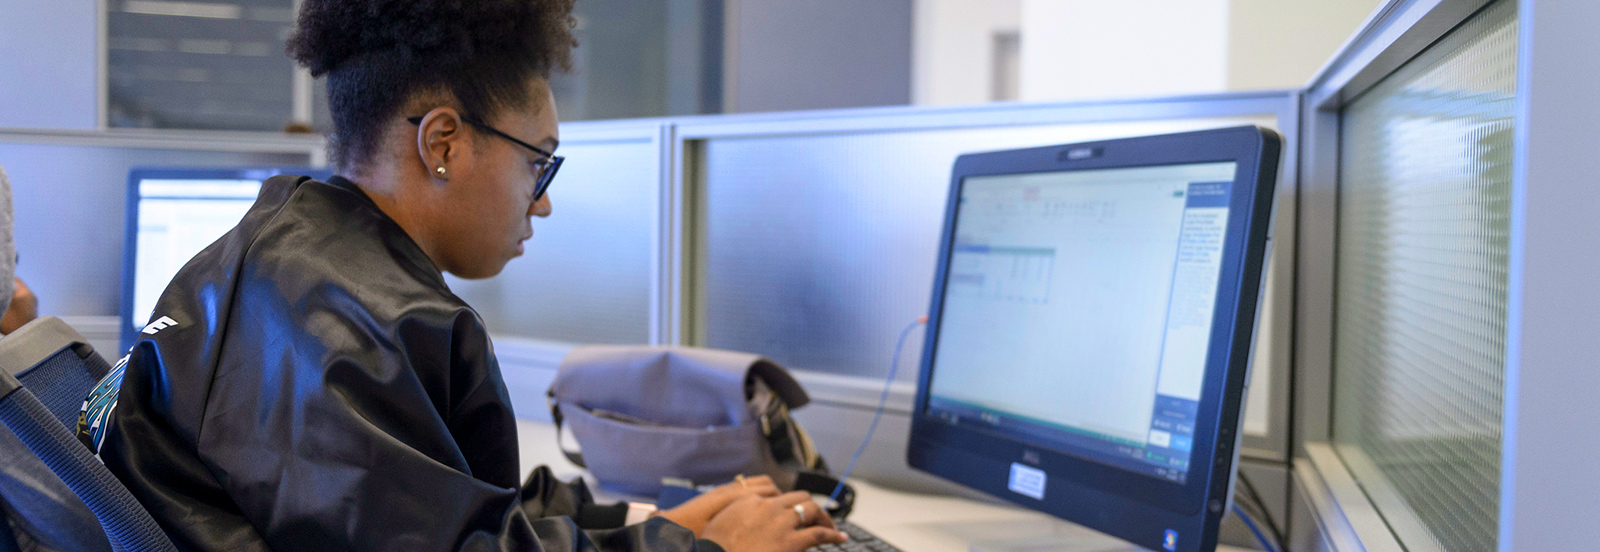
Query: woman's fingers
792	498
763	489
813	513
814	536
761	485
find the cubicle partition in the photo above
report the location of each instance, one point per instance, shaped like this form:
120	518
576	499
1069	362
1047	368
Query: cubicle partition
589	275
70	192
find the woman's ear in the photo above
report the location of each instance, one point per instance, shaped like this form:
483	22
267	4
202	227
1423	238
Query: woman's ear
439	139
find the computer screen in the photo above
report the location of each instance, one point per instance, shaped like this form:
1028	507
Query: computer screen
1078	309
175	213
1089	332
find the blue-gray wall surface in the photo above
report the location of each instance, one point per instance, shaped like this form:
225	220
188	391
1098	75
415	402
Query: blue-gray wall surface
47	64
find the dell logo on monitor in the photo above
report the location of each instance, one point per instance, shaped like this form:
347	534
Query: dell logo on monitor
1078	154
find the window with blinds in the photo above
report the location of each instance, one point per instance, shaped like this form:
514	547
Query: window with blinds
202	65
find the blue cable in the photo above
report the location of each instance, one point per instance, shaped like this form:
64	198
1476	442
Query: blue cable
894	364
1253	529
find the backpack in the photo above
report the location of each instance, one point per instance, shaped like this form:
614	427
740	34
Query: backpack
646	416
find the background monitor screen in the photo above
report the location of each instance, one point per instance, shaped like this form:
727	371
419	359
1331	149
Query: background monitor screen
175	213
1078	307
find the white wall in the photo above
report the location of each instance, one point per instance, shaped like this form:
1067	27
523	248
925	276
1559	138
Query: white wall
1085	49
1549	493
952	52
48	53
1282	43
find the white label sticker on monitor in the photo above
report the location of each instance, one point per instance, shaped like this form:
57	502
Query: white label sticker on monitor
1027	481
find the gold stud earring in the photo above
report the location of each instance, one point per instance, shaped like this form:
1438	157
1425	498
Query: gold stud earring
440	171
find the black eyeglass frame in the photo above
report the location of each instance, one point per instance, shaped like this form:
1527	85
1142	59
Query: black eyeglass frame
547	173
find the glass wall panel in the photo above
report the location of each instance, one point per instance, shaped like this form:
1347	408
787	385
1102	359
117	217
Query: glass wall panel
1419	354
818	249
585	277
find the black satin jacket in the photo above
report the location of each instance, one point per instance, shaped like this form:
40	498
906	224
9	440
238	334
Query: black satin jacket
308	382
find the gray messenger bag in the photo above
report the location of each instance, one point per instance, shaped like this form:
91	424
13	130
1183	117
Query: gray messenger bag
644	414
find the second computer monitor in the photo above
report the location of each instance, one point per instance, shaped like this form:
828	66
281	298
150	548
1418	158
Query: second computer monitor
173	213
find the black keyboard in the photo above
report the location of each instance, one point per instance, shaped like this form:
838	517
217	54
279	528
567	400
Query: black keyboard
860	541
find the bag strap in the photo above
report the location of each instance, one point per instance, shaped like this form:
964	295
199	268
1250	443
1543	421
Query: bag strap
555	415
819	483
790	445
793	451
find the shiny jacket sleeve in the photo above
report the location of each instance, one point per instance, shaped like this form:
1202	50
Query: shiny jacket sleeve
308	382
346	436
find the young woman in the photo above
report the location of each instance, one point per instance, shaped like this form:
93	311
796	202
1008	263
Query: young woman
309	382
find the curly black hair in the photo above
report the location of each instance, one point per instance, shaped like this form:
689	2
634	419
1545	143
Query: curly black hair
380	54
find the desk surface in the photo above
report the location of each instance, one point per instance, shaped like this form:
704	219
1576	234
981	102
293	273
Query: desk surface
912	522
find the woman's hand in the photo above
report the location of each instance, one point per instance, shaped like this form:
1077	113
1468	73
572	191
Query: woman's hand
697	512
759	524
24	308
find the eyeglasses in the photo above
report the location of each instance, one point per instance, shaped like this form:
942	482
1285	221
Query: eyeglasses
547	166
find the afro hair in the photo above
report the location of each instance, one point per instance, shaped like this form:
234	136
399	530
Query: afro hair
379	54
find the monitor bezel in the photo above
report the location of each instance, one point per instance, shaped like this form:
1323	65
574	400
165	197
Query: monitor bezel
1130	505
130	235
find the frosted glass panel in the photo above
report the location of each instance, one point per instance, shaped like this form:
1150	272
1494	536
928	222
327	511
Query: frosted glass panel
585	277
818	249
1419	359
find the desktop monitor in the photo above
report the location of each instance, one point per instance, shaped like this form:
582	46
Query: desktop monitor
173	213
1089	337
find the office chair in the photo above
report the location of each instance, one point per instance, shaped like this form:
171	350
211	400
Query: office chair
48	371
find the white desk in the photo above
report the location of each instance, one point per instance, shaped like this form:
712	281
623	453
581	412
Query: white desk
911	522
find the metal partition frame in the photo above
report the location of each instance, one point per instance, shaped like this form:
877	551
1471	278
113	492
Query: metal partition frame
682	294
194	140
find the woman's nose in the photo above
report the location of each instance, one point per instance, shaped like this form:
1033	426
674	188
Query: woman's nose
540	208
